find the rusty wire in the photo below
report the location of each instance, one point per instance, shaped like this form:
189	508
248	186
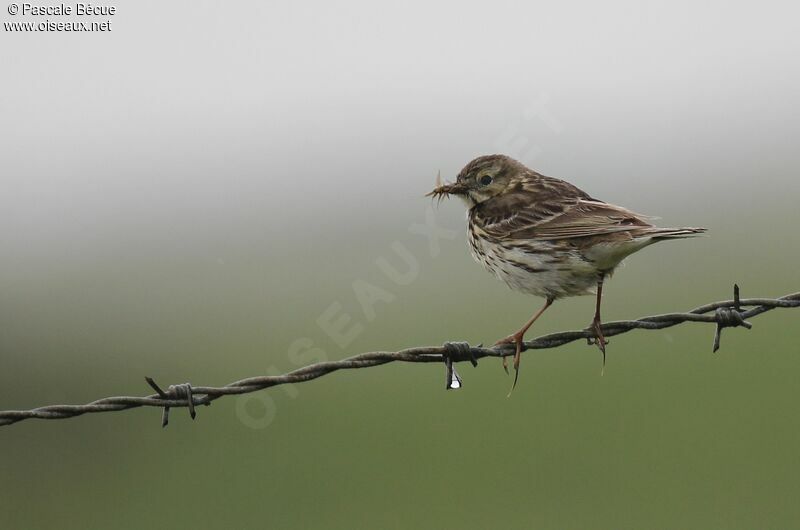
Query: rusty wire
727	313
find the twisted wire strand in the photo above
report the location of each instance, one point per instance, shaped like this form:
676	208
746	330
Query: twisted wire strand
726	313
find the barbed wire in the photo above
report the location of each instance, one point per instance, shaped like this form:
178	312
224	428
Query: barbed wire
723	314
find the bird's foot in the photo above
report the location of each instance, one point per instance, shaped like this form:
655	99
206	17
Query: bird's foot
599	339
517	340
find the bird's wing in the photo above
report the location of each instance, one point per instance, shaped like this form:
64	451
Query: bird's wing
531	201
569	217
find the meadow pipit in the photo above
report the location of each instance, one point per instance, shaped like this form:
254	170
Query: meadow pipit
546	237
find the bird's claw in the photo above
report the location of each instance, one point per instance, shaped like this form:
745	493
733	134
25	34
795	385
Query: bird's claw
591	341
517	341
598	340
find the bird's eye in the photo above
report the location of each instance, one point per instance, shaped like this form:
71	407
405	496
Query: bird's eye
486	180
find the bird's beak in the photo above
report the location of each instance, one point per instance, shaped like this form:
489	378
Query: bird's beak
444	190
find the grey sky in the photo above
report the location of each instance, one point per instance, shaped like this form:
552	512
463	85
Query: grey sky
211	116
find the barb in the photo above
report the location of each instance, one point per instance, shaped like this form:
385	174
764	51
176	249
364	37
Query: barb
727	313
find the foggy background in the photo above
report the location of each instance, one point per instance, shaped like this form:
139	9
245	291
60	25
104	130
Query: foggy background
184	196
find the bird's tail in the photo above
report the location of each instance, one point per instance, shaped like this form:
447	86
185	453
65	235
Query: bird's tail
674	233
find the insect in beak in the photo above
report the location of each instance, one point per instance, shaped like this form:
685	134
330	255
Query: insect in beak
443	190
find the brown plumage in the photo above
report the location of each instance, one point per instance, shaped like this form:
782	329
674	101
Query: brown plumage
546	237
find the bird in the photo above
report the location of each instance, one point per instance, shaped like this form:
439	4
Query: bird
546	237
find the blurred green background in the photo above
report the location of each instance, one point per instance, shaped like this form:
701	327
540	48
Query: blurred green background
191	204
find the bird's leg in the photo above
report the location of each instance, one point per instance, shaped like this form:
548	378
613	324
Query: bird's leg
517	339
596	325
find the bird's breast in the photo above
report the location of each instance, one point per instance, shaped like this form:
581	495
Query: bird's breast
541	268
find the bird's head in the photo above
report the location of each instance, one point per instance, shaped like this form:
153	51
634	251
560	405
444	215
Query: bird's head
480	180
